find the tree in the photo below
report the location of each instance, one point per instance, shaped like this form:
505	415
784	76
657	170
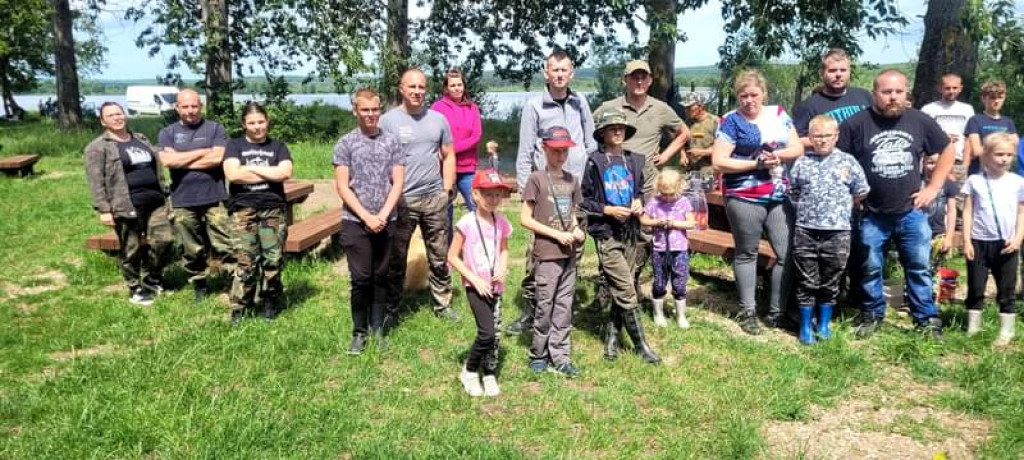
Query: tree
805	29
217	48
69	105
999	31
947	47
27	47
662	17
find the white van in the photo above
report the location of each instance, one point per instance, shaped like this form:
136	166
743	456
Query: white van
150	100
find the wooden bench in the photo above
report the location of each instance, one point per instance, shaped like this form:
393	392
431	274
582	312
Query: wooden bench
20	165
294	192
720	243
311	231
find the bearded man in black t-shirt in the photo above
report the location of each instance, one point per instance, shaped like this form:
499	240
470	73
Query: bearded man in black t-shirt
890	140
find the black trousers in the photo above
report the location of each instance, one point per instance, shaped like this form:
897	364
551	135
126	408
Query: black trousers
368	255
988	257
819	257
483	355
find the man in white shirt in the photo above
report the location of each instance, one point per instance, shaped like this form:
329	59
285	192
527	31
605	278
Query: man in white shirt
951	114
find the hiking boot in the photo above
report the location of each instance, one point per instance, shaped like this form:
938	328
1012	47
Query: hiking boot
448	313
868	326
236	317
270	309
141	296
491	385
932	327
566	370
358	344
748	323
524	324
538	365
201	291
471	382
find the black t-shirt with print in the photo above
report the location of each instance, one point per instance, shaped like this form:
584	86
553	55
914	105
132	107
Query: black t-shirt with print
841	108
890	151
140	174
263	195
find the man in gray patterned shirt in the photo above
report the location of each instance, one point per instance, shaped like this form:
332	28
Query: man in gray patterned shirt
825	185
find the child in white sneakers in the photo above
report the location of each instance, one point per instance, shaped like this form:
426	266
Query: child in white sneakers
479	252
994	222
671	215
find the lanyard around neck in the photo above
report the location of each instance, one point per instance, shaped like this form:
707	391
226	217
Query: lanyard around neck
491	261
995	210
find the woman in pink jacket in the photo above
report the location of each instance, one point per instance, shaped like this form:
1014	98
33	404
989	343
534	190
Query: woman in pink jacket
464	118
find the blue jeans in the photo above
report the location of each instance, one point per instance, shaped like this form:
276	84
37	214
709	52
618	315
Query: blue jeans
912	236
464	183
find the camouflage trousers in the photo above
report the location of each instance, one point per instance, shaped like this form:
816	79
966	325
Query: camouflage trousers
146	246
204	231
259	250
430	214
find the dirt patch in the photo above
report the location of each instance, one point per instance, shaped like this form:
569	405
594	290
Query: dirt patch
98	350
324	197
892	418
38	284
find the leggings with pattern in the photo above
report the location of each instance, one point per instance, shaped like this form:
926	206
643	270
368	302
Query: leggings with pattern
674	265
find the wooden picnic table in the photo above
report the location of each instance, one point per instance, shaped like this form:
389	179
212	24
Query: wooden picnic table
718	240
295	192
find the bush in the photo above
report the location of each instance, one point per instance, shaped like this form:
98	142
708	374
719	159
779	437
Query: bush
290	122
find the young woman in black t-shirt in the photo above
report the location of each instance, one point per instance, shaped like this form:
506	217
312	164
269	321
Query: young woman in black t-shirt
257	167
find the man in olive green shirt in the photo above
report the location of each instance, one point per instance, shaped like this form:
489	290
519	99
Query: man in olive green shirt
651	117
702	133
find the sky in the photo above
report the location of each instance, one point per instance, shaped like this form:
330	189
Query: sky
703	27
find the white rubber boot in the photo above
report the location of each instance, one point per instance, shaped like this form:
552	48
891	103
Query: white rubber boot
681	314
973	322
659	313
1006	325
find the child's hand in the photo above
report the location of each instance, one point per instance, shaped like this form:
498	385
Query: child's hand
968	250
947	244
565	238
1011	247
499	277
578	235
482	286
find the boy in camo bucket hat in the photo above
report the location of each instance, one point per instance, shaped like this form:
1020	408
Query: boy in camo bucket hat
613	199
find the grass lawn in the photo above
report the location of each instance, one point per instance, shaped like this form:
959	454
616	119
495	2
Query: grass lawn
85	374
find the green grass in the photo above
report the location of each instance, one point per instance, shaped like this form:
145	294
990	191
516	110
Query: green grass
175	381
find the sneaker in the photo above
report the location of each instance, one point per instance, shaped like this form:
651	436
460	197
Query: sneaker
868	327
141	296
358	345
749	324
567	370
448	313
471	382
491	386
538	365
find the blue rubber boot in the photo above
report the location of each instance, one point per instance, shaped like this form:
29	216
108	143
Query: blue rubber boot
824	318
806	329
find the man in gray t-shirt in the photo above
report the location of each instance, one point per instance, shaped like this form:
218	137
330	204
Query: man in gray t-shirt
426	140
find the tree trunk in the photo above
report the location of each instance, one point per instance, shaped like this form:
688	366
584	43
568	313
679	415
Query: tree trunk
219	102
69	106
946	48
801	81
11	108
397	60
661	18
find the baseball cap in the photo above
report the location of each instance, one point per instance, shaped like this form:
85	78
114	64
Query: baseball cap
693	98
633	66
489	179
558	137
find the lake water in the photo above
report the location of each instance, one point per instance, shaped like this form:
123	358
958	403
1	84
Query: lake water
502	103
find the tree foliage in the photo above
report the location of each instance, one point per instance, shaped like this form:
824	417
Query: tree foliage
27	46
999	30
762	30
